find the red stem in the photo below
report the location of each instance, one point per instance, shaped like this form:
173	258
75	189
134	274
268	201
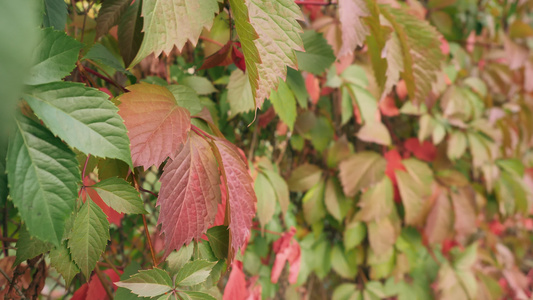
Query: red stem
106	79
211	41
322	3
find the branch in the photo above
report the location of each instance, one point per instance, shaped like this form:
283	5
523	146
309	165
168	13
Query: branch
12	284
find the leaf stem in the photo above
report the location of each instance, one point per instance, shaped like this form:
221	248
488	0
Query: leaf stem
104	284
149	192
321	3
104	78
211	41
149	241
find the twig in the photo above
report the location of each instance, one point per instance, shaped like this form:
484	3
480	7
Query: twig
149	192
149	241
104	78
12	284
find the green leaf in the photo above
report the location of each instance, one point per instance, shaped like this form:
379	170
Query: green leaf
337	204
188	19
219	240
240	96
186	97
322	133
123	293
340	263
18	44
304	177
55	14
109	15
148	283
354	234
43	175
266	199
346	291
313	204
414	185
177	259
61	260
130	34
296	83
201	85
100	54
318	55
89	236
190	295
120	196
284	104
194	272
360	171
269	34
54	57
29	247
420	44
72	110
281	189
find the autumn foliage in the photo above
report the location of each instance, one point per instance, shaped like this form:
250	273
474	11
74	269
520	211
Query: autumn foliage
266	149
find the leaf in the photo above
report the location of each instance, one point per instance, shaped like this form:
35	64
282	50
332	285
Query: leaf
287	250
439	222
296	83
266	199
269	34
186	97
318	55
156	125
394	56
194	272
337	204
360	171
241	195
313	204
284	104
61	260
54	57
236	285
381	235
109	15
346	291
130	34
376	202
415	186
43	175
464	207
55	14
29	247
188	18
72	111
16	56
96	288
425	151
148	283
120	196
340	263
354	31
89	237
421	52
281	189
219	240
376	133
456	145
190	295
354	234
240	95
201	85
100	54
189	193
177	259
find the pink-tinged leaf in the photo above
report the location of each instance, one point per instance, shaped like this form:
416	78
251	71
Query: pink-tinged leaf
221	208
388	107
81	293
464	206
236	286
255	290
425	151
189	193
240	192
96	290
354	30
313	87
439	222
112	215
287	250
156	125
394	162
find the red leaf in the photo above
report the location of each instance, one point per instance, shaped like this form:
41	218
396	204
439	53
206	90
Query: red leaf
388	107
313	88
287	250
254	290
236	286
156	125
81	293
189	193
113	216
222	57
221	209
238	57
425	151
96	289
394	162
240	192
401	89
